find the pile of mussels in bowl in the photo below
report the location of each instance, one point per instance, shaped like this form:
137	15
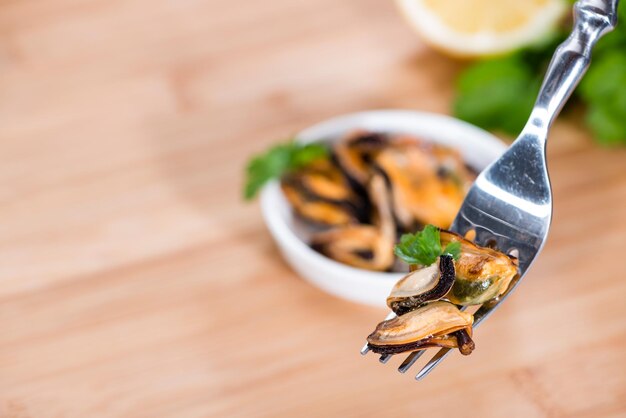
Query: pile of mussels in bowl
363	212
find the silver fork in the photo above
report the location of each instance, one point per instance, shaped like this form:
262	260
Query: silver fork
510	204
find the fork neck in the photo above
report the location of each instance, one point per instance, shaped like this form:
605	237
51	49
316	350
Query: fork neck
592	19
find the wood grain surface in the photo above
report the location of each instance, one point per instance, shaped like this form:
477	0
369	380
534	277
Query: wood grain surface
135	282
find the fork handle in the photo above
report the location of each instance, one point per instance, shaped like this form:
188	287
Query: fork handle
592	19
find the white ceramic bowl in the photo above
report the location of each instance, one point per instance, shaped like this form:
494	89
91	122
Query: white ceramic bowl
478	147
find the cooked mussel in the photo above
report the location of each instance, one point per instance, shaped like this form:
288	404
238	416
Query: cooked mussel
320	194
482	273
423	285
363	246
436	324
428	183
354	155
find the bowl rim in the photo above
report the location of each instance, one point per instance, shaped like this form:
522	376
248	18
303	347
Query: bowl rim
282	232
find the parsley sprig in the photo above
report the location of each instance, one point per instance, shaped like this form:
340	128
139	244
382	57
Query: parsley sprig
277	160
423	248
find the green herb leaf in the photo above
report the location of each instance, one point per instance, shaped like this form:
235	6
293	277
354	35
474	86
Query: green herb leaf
453	249
421	248
304	155
606	73
497	94
608	126
604	90
278	160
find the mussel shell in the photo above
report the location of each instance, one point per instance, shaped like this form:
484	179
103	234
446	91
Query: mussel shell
445	341
434	319
354	153
361	246
481	273
421	193
321	195
423	285
318	212
460	339
380	198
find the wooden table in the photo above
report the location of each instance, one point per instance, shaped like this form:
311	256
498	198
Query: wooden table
135	282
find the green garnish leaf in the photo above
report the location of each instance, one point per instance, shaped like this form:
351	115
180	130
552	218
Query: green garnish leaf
423	248
305	154
607	73
497	94
278	160
453	249
604	90
607	125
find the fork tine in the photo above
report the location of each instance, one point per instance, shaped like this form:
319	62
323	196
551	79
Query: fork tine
479	316
366	349
410	360
384	358
432	363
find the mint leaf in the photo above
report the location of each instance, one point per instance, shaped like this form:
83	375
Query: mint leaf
421	248
497	94
277	160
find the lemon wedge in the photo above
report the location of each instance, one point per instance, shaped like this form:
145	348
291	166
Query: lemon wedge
480	27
